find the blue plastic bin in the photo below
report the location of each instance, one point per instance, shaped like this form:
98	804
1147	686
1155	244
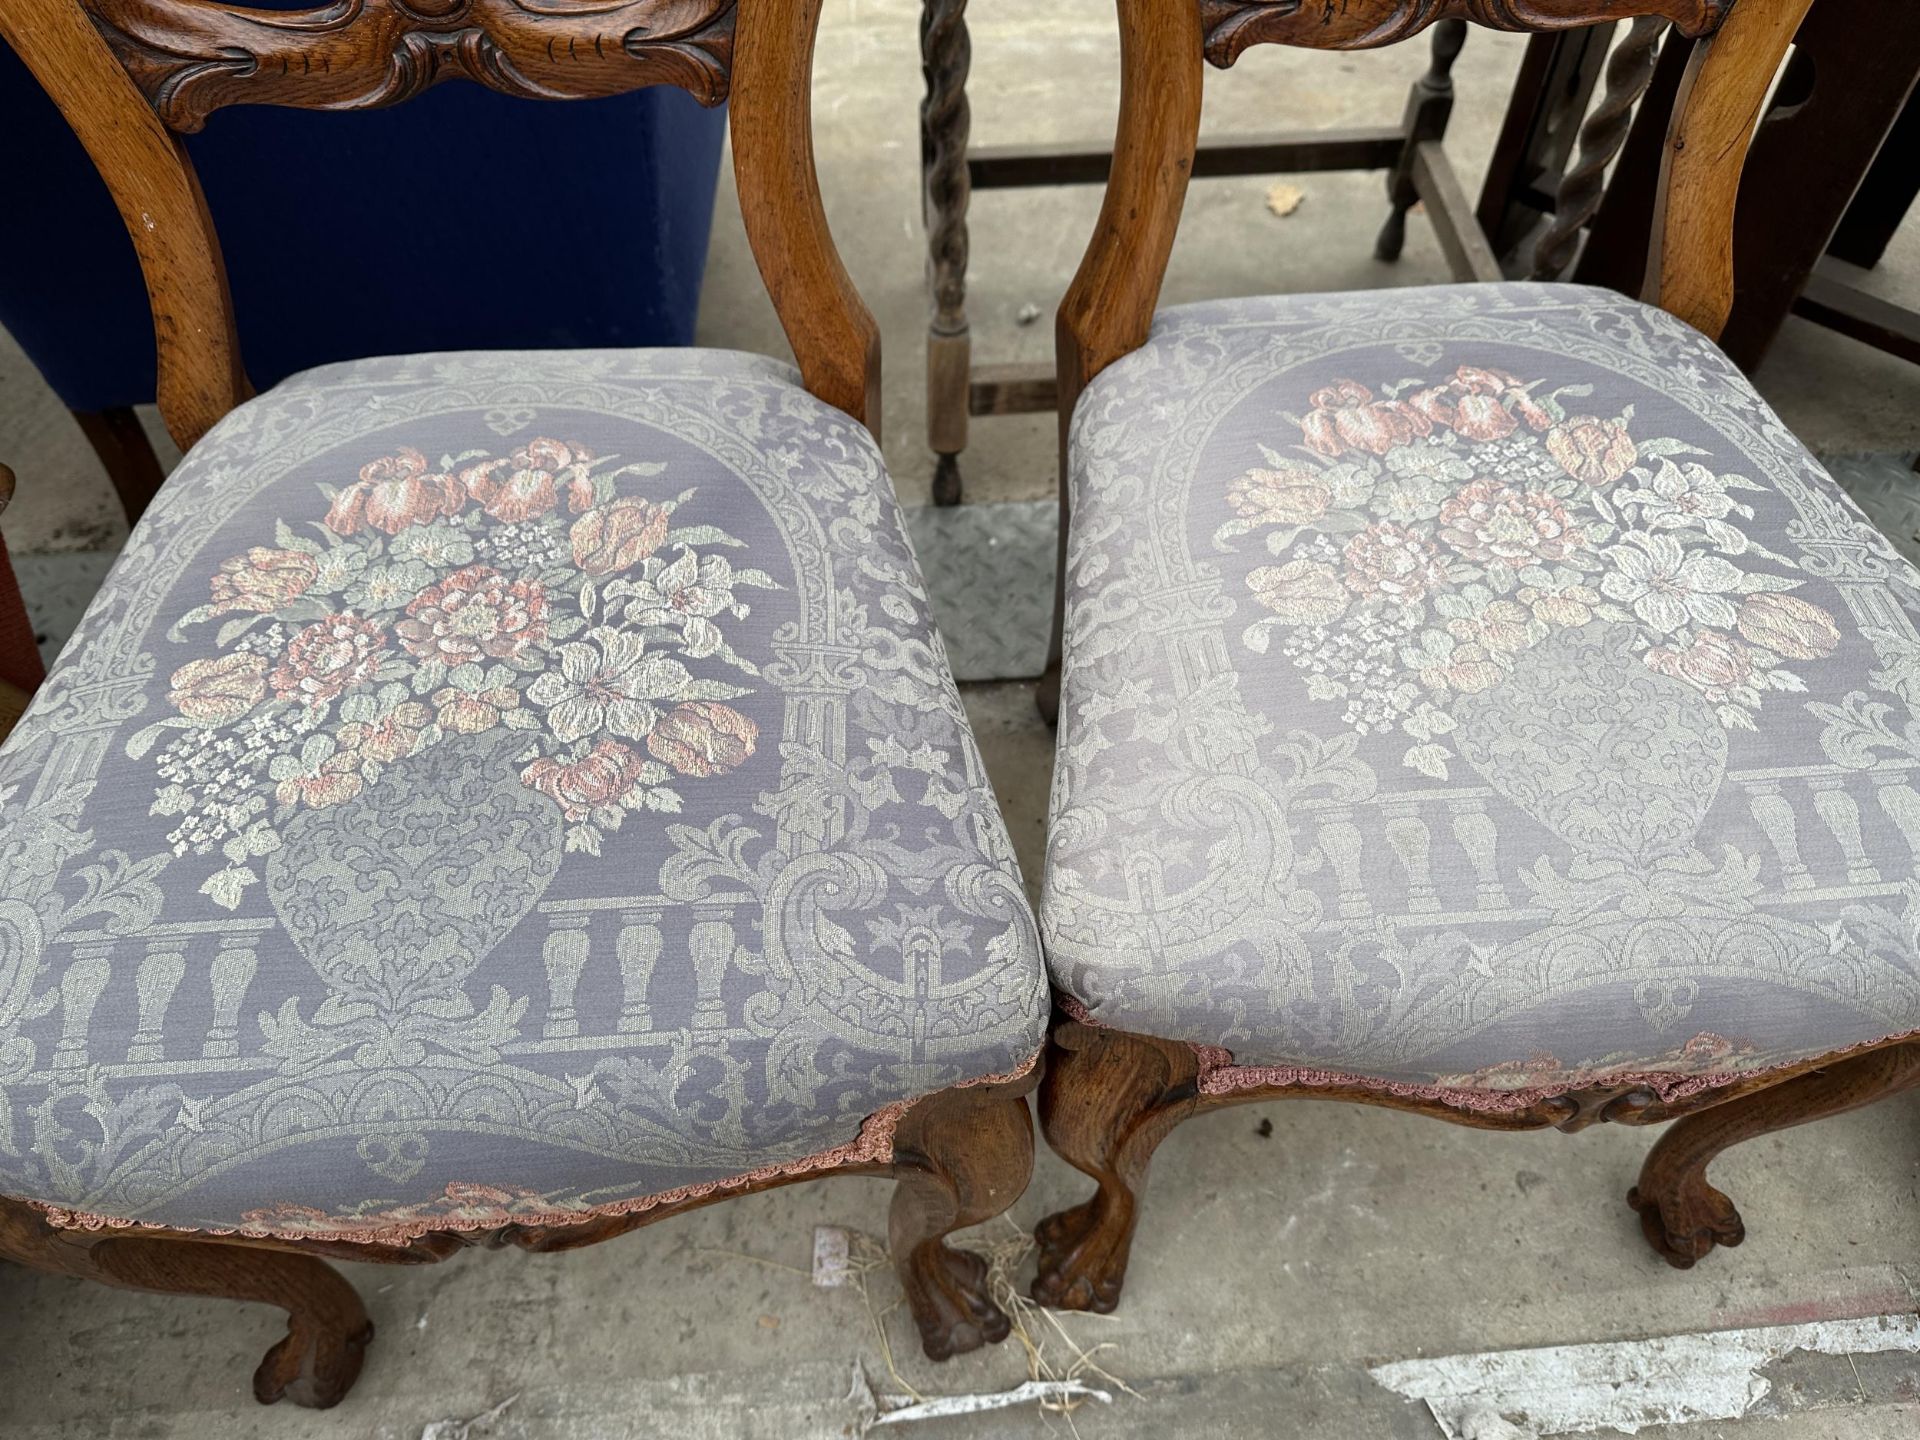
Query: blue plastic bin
460	220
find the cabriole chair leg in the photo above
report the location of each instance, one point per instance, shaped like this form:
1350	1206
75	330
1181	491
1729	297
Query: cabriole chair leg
1108	1100
960	1158
327	1327
1683	1216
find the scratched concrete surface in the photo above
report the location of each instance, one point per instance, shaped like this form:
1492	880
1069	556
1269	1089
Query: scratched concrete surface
1272	1271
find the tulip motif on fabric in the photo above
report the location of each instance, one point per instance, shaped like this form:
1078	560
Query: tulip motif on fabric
531	592
1427	534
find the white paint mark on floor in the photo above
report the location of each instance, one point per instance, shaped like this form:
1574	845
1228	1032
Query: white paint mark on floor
471	1429
904	1410
1624	1385
832	1254
877	1409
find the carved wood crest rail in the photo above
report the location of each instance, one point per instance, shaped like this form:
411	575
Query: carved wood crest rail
1234	26
192	57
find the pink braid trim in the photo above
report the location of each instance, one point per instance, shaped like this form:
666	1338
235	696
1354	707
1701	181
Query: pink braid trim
1219	1075
872	1146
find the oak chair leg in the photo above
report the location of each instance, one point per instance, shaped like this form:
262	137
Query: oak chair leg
327	1326
960	1157
127	455
1108	1100
1428	109
945	56
1682	1215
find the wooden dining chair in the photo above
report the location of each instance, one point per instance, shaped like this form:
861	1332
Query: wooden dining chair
1475	700
496	798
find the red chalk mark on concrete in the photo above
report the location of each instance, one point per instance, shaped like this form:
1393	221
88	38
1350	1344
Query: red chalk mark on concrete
1893	1300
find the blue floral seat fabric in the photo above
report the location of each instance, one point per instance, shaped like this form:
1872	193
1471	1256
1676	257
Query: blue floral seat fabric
497	787
1477	689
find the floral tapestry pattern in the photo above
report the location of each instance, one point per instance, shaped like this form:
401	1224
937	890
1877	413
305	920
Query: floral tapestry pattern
497	788
1477	688
1430	535
436	601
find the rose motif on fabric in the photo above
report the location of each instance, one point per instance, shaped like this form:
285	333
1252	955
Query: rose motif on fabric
1594	452
1481	404
262	580
703	738
1426	535
1283	495
1393	562
476	614
1787	625
328	658
1714	664
530	482
618	535
1495	524
455	602
600	780
473	710
1304	592
219	689
392	493
1348	416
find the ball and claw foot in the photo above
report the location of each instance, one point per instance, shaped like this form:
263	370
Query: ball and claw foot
1685	1227
951	1304
313	1366
946	480
1079	1268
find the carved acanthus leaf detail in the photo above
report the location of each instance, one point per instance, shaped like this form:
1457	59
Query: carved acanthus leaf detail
192	57
1233	26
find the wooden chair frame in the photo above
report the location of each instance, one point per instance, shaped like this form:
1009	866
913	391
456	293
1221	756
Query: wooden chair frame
127	74
1111	1096
1410	154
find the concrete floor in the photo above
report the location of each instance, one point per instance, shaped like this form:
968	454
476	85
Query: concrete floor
1272	1269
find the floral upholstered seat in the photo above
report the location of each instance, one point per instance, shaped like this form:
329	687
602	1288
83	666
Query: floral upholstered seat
497	787
1480	690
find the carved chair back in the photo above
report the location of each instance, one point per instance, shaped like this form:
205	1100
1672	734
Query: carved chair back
129	74
1165	44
